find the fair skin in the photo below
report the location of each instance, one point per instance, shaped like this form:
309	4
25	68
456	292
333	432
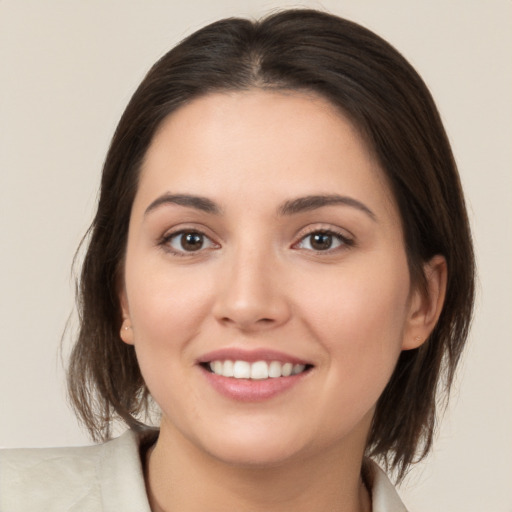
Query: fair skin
263	230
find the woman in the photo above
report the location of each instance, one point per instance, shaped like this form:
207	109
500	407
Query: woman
281	260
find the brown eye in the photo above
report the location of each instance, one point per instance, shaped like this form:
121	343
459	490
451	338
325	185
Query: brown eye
189	241
319	241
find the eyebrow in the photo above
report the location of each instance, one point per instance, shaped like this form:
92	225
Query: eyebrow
308	203
190	201
290	207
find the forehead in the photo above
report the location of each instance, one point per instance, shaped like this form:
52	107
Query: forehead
271	143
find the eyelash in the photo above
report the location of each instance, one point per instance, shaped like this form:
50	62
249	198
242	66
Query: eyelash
344	241
166	240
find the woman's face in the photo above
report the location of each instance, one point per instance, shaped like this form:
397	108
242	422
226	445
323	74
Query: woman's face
264	238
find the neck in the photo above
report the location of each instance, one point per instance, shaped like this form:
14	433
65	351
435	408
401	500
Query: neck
182	477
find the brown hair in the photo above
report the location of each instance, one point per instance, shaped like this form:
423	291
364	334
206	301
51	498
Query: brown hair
385	98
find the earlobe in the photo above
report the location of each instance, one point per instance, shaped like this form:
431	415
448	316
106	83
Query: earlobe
126	331
427	304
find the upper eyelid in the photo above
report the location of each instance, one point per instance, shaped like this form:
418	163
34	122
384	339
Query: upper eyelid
169	235
188	228
347	240
343	233
324	228
165	243
334	234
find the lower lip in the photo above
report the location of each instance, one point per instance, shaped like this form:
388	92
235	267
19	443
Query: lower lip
248	390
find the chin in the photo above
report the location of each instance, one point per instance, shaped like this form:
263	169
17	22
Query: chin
244	455
253	447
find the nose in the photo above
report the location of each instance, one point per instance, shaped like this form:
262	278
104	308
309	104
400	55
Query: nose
252	295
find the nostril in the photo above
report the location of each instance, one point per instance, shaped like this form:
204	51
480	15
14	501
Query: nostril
264	321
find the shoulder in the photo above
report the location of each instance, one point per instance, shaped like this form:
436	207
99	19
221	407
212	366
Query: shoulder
108	476
384	495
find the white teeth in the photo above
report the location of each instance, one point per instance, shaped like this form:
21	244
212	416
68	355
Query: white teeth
217	367
259	370
241	370
227	369
286	370
274	369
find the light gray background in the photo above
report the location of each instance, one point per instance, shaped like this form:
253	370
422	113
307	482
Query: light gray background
68	68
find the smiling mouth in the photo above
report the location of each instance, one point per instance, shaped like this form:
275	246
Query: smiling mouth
258	370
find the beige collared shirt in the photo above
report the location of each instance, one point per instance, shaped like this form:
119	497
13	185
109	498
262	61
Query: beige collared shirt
104	478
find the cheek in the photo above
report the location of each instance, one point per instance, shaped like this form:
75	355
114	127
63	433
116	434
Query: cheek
167	310
361	321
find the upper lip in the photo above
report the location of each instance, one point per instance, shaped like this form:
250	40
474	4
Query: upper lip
251	356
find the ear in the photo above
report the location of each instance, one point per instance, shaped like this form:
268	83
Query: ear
426	305
126	332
